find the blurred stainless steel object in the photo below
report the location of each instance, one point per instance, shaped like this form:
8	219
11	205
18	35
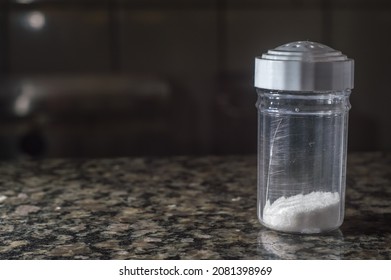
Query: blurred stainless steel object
82	95
84	115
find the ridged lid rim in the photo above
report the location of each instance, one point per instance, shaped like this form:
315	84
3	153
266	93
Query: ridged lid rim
304	66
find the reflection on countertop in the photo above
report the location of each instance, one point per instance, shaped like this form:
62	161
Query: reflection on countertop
176	208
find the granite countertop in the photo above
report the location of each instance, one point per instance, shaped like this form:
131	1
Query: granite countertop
176	208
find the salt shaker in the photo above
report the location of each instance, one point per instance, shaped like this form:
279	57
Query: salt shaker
303	103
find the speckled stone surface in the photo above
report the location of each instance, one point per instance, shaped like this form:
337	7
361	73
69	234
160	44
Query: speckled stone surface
176	208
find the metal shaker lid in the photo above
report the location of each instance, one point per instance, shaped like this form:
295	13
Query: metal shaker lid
304	66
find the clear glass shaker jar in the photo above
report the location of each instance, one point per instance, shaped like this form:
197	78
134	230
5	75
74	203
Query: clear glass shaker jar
303	102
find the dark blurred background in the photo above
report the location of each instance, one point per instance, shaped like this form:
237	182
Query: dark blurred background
102	78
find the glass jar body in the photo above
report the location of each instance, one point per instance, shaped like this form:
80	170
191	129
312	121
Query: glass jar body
302	139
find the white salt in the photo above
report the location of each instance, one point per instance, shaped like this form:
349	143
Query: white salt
310	213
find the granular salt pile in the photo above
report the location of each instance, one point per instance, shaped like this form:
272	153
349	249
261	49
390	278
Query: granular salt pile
310	213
